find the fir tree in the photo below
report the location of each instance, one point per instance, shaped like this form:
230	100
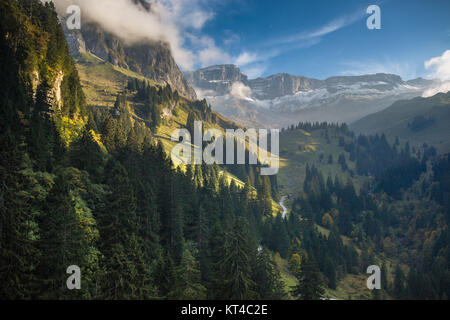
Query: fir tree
310	280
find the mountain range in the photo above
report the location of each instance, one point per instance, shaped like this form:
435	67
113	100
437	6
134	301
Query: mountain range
282	99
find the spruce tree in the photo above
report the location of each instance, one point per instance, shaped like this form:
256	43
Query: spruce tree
310	286
127	274
187	280
235	264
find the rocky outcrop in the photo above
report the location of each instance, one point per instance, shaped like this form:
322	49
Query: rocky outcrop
282	84
219	78
152	60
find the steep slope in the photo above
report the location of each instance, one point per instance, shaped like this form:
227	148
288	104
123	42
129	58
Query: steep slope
152	60
47	78
282	99
418	120
104	84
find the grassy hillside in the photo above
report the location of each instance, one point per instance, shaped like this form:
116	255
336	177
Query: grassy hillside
299	148
432	116
102	82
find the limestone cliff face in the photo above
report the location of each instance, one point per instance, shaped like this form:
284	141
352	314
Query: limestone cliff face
152	60
219	78
283	99
282	84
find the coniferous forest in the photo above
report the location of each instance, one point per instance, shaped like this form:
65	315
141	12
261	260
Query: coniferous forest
91	186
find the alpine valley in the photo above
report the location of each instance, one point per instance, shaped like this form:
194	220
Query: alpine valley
86	176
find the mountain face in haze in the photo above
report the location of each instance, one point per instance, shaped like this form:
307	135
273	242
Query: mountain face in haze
280	85
284	99
221	78
218	79
152	60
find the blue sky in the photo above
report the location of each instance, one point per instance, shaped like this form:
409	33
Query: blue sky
320	38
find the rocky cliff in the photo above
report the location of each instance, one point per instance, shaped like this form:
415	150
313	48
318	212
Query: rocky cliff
219	78
151	59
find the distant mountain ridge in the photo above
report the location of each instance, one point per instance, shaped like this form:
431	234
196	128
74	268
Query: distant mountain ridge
419	120
283	99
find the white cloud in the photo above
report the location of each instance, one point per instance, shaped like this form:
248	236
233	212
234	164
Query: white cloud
230	38
177	22
329	27
171	21
254	71
439	66
212	54
246	58
202	94
439	69
166	21
208	53
444	88
240	91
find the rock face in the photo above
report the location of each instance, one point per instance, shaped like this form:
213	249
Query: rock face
220	79
152	60
216	78
281	84
284	99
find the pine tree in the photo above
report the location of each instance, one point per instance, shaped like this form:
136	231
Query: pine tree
187	280
127	275
235	264
310	280
85	154
267	277
68	237
19	232
398	286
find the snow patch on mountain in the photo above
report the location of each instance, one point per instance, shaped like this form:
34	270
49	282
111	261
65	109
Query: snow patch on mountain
284	99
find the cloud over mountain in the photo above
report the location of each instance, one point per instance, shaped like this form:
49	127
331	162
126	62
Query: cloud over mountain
173	21
440	69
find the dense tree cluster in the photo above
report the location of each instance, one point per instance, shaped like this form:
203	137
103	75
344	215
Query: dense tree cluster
394	169
420	123
137	227
401	212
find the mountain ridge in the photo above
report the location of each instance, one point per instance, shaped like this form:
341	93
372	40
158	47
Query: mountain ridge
283	99
419	120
